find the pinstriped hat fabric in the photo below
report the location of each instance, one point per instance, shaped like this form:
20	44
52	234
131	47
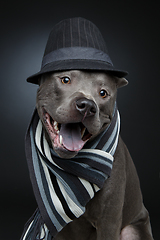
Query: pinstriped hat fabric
75	32
76	43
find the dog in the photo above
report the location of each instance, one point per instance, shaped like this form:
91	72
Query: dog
84	180
88	98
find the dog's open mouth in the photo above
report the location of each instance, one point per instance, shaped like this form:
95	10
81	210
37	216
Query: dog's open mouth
70	136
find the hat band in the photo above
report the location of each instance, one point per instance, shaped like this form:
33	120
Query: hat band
76	53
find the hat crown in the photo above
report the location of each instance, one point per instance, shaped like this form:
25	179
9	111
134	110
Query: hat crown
75	32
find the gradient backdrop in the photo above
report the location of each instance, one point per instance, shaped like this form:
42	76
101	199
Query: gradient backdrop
131	30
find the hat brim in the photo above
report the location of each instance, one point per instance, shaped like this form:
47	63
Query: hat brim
78	64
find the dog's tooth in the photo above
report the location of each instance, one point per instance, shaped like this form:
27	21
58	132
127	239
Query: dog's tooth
60	139
83	131
56	125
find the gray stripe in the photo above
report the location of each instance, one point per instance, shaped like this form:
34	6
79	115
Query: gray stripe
95	159
100	173
76	53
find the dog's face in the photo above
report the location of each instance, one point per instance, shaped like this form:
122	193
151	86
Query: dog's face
75	106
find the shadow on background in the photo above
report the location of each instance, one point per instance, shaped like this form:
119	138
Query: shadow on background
131	32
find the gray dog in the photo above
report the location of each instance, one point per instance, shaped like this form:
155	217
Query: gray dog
83	177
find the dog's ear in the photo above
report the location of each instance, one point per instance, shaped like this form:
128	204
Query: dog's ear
121	82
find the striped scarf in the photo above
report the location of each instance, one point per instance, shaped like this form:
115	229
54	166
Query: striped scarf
63	187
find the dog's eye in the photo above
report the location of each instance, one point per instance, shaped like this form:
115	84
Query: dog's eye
65	80
103	93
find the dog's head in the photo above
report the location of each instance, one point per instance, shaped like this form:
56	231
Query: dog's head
75	106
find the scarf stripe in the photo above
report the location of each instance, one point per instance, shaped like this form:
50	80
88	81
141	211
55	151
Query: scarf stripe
61	198
63	187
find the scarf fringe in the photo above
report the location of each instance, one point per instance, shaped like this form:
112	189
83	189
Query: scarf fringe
35	228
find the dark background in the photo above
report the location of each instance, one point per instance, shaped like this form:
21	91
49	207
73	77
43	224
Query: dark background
131	30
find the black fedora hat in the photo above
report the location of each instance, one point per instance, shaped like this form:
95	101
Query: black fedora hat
76	43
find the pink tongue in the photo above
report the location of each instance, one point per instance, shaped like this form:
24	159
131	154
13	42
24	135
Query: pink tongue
71	134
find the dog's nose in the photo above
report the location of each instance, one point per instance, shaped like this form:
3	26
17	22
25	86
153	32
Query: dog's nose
86	107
